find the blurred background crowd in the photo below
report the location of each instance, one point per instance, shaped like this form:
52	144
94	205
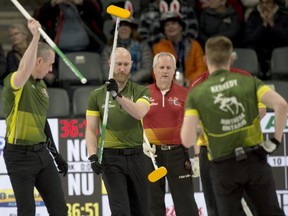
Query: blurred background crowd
84	32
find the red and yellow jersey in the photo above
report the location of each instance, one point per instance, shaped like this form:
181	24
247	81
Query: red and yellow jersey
163	122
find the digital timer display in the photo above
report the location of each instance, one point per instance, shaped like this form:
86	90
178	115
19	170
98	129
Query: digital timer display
72	128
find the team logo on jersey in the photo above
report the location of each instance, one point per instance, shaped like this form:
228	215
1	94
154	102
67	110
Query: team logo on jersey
152	101
228	104
44	92
110	104
147	98
174	100
231	104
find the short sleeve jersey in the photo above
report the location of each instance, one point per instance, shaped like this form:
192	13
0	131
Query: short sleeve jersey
202	141
229	113
25	110
163	122
122	130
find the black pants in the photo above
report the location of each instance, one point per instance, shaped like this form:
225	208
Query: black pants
125	179
179	177
209	195
254	175
205	166
34	167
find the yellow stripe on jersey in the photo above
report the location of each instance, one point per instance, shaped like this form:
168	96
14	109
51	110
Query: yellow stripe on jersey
261	105
202	140
93	113
261	91
191	112
143	100
12	81
12	135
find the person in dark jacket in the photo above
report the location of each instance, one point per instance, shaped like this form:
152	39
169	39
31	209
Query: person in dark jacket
219	19
74	25
3	64
266	29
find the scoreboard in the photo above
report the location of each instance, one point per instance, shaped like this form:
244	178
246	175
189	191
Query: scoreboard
85	192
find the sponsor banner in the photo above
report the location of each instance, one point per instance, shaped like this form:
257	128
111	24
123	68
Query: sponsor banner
8	202
268	123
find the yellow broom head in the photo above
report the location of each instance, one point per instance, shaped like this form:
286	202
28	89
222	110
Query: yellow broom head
118	12
157	174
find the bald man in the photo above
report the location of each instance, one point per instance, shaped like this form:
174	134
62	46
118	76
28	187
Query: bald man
123	165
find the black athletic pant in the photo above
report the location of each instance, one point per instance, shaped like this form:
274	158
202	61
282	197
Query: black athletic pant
209	195
180	181
33	166
126	181
205	166
254	175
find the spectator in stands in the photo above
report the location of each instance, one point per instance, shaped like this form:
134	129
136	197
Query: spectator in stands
282	3
141	53
3	64
74	25
249	6
218	18
266	29
236	4
20	38
149	26
187	51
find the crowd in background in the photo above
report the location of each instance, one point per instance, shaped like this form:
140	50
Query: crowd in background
179	27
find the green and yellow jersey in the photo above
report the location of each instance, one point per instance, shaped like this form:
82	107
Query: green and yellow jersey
230	113
25	110
122	130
